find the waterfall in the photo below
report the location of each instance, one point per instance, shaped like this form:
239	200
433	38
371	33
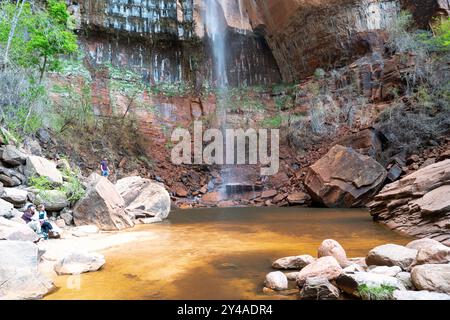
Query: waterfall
216	28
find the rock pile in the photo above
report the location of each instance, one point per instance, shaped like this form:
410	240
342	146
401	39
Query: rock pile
418	271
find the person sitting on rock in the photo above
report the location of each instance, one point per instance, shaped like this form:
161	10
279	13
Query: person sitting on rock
104	167
41	216
28	218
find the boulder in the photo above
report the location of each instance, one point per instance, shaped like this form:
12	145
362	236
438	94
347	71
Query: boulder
318	288
330	247
19	275
12	156
102	206
385	270
353	268
344	178
326	267
432	277
298	198
78	262
17	197
54	200
12	230
276	281
351	282
422	243
7	209
9	181
67	216
293	262
437	254
418	204
292	276
391	255
366	142
41	167
405	278
144	196
419	295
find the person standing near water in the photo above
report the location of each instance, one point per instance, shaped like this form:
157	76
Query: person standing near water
104	167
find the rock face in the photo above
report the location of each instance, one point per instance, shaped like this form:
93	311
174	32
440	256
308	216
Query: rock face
294	262
41	167
350	282
11	230
344	178
432	277
300	47
276	281
102	206
317	288
330	247
326	267
79	262
19	276
418	204
144	197
391	255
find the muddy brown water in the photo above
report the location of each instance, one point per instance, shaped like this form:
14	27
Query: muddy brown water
221	253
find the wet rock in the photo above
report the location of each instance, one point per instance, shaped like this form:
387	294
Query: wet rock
41	167
405	278
17	197
422	243
78	262
19	275
326	267
293	262
350	282
431	277
437	254
102	206
318	288
54	200
419	295
385	270
418	203
276	281
144	196
330	247
298	198
344	178
12	156
391	255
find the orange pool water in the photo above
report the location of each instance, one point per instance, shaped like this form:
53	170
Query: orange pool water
221	253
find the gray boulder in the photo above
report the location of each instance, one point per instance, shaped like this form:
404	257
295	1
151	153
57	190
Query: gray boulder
17	197
319	288
144	197
41	167
405	278
19	275
385	270
12	230
12	156
391	255
276	281
432	277
7	209
54	200
293	262
102	206
78	262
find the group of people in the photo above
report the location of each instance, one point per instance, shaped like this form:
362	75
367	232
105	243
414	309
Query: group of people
37	220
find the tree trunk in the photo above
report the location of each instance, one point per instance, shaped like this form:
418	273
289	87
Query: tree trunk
13	30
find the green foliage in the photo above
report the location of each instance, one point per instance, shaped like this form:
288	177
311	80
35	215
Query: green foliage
382	292
272	122
41	183
73	188
442	34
